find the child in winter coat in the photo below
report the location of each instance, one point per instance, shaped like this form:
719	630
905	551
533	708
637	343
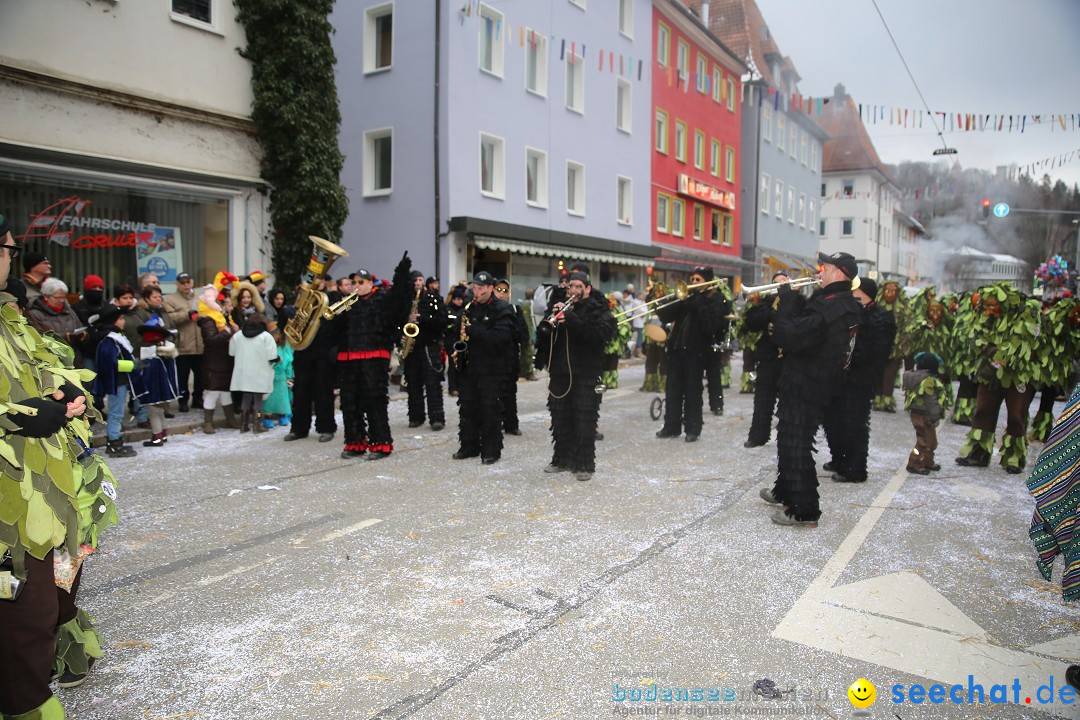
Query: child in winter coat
255	354
926	398
116	377
157	365
280	400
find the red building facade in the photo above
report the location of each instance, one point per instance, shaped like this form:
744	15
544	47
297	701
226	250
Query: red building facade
696	141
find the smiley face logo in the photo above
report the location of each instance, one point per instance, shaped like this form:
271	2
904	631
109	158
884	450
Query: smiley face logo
862	693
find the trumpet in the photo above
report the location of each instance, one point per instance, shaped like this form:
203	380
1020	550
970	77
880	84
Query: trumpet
568	305
340	306
681	292
772	288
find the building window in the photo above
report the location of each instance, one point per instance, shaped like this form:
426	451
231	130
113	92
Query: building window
199	10
699	220
663	213
575	83
536	64
731	94
728	226
811	215
492	166
791	205
778	200
823	189
822	227
849	188
802	210
702	73
714	231
491	40
699	150
379	38
794	141
680	141
803	142
766	123
575	188
729	164
813	155
378	162
623	104
624	200
780	132
678	216
764	199
663	45
717	83
626	17
661	132
683	62
714	158
846	227
536	178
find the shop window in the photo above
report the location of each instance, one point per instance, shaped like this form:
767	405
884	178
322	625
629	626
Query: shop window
379	38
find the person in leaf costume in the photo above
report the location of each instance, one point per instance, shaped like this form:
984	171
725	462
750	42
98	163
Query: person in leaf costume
1006	338
931	328
926	396
891	299
964	357
56	498
655	354
748	341
1059	346
718	356
614	348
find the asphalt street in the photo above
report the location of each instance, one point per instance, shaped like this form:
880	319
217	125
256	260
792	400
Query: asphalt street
252	578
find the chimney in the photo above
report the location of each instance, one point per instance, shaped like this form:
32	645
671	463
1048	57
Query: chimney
705	13
840	92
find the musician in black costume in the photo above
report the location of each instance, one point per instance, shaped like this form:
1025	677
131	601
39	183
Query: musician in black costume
768	358
718	355
423	366
366	333
847	419
818	342
511	425
575	337
455	306
697	320
481	371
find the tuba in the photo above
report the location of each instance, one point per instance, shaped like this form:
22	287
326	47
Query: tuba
311	304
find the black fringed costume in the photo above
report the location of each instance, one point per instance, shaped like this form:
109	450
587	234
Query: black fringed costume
424	365
481	377
768	356
716	356
576	360
366	333
847	419
509	383
696	322
817	344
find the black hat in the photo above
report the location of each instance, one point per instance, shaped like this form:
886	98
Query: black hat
503	281
869	287
431	280
778	273
363	274
108	316
459	291
161	330
31	259
578	275
927	361
704	271
842	260
184	276
17	288
483	278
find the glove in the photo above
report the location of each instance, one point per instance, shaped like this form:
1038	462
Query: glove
71	394
51	416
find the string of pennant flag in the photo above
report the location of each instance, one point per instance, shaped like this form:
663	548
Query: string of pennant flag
967	122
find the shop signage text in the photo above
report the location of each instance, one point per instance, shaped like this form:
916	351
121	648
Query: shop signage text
708	193
62	222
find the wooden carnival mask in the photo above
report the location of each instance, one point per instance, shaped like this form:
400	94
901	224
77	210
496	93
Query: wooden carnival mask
935	311
992	307
889	292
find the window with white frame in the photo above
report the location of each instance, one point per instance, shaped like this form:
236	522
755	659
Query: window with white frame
802	210
492	166
536	63
379	38
536	178
682	61
780	132
729	225
201	11
714	227
678	216
663	213
378	162
575	83
661	132
492	45
702	79
811	216
813	155
766	123
575	188
731	94
764	193
663	45
626	17
624	106
847	227
803	142
778	200
714	158
849	188
794	141
624	200
729	164
717	83
680	141
791	205
822	227
699	221
699	150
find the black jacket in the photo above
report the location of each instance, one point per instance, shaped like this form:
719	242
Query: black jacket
372	322
490	337
588	328
760	318
432	321
877	330
698	320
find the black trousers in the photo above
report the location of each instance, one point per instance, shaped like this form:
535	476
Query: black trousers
574	417
509	401
847	430
365	399
423	377
766	389
714	371
480	414
796	476
682	398
190	364
313	387
28	645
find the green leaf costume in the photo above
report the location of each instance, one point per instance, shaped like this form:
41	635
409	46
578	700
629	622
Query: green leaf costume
748	341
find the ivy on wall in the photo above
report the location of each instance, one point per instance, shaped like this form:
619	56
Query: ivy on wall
296	117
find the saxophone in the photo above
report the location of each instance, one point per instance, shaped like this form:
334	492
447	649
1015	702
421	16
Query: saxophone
461	347
410	329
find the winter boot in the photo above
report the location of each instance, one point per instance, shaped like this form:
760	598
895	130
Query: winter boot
285	420
245	421
117	449
157	440
258	423
208	422
230	417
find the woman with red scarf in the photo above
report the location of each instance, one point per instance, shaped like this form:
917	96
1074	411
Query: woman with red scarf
50	314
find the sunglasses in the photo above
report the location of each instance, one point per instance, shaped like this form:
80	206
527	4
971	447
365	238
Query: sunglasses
13	250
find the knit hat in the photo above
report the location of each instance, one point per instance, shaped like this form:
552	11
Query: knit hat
108	316
459	291
578	275
704	271
31	259
928	361
93	282
869	287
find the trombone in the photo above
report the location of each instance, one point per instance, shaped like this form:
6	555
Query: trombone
680	293
773	288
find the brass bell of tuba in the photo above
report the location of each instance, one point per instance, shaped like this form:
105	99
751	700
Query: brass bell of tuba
312	303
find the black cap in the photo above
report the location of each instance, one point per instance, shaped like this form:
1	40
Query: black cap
869	287
363	274
31	259
844	261
780	273
155	329
459	291
578	275
704	271
483	278
183	276
431	280
503	281
108	316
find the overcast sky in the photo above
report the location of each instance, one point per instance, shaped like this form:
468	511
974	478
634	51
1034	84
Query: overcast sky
967	56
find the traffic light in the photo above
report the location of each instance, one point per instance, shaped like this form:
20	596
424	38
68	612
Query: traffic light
986	208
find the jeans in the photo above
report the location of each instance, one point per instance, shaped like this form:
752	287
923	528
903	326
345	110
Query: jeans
116	405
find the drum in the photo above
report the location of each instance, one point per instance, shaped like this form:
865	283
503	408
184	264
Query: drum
655	333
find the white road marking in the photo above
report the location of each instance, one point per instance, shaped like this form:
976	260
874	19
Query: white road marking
235	571
349	530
